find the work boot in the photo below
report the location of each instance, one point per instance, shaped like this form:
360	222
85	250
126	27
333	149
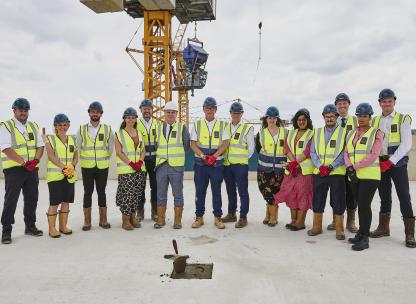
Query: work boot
357	238
409	230
63	221
140	215
300	221
331	226
273	211
87	219
177	223
241	223
293	216
133	221
198	222
6	237
339	227
103	218
53	233
230	217
351	221
126	225
317	224
31	229
161	214
267	217
361	244
218	223
154	212
383	228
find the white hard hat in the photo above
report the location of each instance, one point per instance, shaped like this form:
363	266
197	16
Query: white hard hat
171	106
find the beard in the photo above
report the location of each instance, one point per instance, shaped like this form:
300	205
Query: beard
95	118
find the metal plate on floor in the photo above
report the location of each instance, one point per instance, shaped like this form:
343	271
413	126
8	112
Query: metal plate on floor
194	271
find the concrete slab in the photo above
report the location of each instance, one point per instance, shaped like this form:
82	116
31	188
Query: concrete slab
257	264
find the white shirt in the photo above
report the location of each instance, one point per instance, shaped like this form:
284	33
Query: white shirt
168	129
147	124
405	136
339	119
249	139
210	124
6	140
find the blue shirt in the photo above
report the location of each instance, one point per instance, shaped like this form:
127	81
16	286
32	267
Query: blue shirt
339	161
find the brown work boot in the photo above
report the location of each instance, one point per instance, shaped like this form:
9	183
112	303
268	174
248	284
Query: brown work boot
409	230
53	233
134	221
230	217
241	223
161	215
383	228
293	216
87	219
177	223
198	222
339	227
126	225
218	222
63	221
317	224
351	221
267	217
140	215
331	226
103	218
273	211
300	221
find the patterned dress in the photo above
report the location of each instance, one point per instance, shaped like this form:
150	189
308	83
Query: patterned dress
129	191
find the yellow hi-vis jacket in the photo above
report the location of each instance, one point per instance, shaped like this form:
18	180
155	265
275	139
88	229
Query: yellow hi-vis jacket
171	149
306	165
237	152
65	154
272	153
95	152
132	153
149	138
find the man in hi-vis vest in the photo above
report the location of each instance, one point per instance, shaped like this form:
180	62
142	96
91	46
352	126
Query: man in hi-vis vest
393	164
209	140
21	147
172	143
96	143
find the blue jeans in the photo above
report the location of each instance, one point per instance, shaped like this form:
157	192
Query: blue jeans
236	177
203	175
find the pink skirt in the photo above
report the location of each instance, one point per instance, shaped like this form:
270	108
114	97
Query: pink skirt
296	192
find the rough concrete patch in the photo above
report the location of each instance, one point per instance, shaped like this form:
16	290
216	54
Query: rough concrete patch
203	239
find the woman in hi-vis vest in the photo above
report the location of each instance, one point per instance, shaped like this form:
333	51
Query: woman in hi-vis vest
297	187
130	169
60	174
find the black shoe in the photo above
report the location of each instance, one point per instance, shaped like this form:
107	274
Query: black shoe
361	245
289	226
33	230
358	236
6	237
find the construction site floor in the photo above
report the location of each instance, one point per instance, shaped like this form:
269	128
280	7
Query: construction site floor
256	264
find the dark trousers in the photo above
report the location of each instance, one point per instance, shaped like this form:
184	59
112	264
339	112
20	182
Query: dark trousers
350	200
150	169
401	183
236	177
336	185
203	175
99	177
19	179
364	191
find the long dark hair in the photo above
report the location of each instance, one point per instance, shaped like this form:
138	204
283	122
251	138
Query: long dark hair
123	125
264	124
297	115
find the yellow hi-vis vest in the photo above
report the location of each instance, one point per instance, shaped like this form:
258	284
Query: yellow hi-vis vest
209	142
329	152
65	154
170	150
394	134
306	165
237	152
360	150
149	138
351	124
133	154
95	152
272	153
24	147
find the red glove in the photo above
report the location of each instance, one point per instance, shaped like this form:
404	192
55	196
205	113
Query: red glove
385	165
292	165
206	157
295	171
31	165
139	164
324	171
134	166
211	160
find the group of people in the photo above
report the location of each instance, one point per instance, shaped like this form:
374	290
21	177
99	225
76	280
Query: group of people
351	156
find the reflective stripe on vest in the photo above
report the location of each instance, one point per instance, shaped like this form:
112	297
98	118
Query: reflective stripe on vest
306	165
360	150
170	150
272	153
95	153
209	142
237	152
65	154
24	147
132	153
149	138
329	152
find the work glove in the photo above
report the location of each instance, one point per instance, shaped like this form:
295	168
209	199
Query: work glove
139	164
292	165
324	170
211	160
385	165
134	165
352	174
31	165
68	170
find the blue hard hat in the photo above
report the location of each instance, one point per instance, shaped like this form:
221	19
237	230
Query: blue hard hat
342	96
146	103
21	103
272	112
364	109
96	105
236	107
60	118
130	112
330	108
210	102
303	111
385	93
